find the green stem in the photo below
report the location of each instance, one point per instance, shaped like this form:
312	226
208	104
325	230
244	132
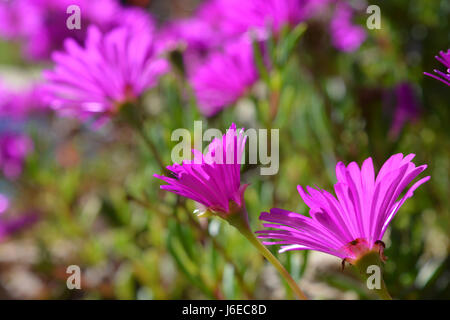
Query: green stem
383	293
152	148
372	258
222	251
132	114
240	221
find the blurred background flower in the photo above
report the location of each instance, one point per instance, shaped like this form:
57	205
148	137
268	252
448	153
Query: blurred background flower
112	70
14	147
346	36
40	25
224	77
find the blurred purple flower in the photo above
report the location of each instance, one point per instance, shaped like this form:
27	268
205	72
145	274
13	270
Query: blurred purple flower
193	37
137	19
15	224
14	147
224	77
19	104
444	58
112	69
345	35
4	203
11	225
195	32
212	180
406	109
240	16
354	223
17	18
40	25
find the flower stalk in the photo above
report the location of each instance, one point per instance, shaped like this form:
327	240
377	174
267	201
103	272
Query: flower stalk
363	268
131	113
239	220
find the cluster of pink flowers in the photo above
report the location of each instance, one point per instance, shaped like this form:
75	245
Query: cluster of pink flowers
347	226
218	73
119	54
40	25
110	60
215	41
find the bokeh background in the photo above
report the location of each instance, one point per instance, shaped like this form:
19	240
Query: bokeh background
78	195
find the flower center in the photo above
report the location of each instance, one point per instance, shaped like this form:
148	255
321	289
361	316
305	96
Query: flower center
359	247
356	248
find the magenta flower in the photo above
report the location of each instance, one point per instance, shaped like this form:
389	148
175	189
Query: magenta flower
11	225
345	35
193	37
224	77
212	180
406	109
4	203
444	58
112	69
240	16
14	147
19	104
137	19
353	223
18	17
15	224
195	33
40	25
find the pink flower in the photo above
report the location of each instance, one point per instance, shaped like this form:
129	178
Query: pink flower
345	35
224	77
240	16
406	108
196	33
18	223
194	37
444	58
354	222
112	69
212	180
11	225
14	147
19	104
40	25
4	203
